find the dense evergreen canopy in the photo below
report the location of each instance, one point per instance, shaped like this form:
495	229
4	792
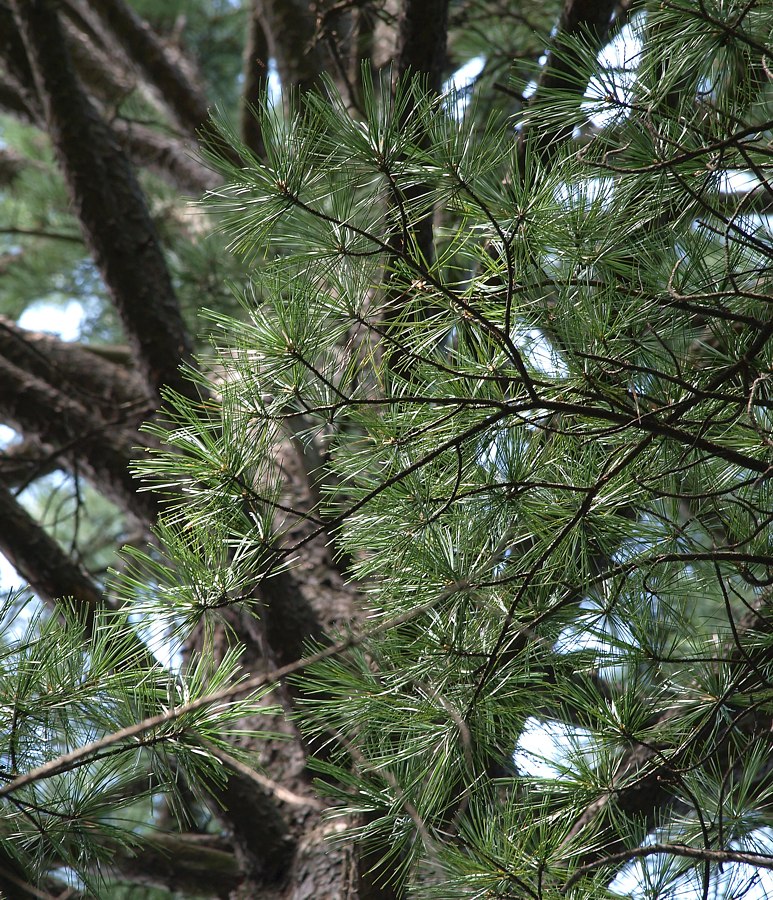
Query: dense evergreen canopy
446	541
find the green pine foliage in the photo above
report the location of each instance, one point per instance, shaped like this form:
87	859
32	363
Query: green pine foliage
544	454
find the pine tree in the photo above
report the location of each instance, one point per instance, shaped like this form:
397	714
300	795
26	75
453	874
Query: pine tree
484	454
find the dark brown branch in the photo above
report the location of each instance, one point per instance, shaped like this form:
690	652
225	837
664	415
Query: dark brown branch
104	452
13	100
17	64
759	860
255	82
191	864
290	30
24	461
41	561
422	32
175	82
99	384
109	204
165	156
102	73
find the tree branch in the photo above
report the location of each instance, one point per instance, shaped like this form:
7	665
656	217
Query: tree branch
104	452
73	367
290	30
191	864
255	82
109	203
39	559
176	84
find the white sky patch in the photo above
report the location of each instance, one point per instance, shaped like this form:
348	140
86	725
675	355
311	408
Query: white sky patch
613	87
536	347
544	747
459	85
274	84
7	436
64	322
736	180
9	580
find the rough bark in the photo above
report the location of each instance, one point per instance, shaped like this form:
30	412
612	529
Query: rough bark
86	443
114	390
41	561
109	204
176	84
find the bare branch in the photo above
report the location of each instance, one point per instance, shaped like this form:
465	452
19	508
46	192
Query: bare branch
109	204
66	365
176	83
104	451
41	561
191	864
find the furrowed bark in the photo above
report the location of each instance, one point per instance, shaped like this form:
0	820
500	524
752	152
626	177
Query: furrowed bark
109	204
176	84
90	445
97	382
41	561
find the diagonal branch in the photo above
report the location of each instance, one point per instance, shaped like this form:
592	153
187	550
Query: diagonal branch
69	366
164	155
104	451
175	81
109	204
39	559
